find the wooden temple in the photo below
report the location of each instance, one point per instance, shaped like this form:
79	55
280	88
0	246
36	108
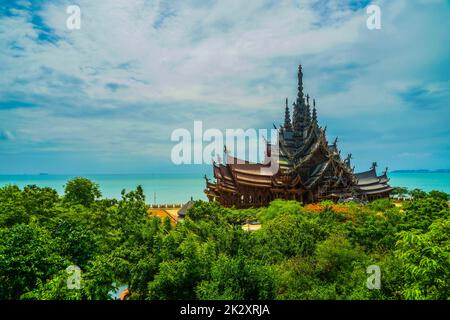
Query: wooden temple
308	169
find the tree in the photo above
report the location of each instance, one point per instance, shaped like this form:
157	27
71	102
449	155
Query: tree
418	194
299	253
400	191
40	202
381	204
439	195
420	213
54	289
279	207
131	216
201	210
167	224
99	278
81	191
178	278
237	278
374	230
288	236
12	208
335	257
27	256
77	243
425	260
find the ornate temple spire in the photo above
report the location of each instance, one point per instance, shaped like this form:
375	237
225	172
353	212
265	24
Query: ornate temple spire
298	116
347	160
374	166
300	84
335	141
287	117
307	112
314	113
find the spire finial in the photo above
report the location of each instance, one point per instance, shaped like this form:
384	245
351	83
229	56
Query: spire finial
314	114
307	112
287	117
347	160
300	83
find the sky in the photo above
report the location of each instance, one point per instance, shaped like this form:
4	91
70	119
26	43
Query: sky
106	98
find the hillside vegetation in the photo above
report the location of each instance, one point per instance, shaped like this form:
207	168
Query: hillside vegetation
319	251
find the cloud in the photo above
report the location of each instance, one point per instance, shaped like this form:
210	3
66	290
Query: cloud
139	69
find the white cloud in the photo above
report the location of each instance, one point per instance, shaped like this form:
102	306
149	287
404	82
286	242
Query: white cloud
224	63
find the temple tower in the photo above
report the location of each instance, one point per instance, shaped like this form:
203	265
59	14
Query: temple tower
287	117
299	118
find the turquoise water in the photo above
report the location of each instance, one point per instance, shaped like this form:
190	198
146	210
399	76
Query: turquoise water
176	188
169	188
426	181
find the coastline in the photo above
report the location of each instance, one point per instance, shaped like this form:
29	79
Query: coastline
179	188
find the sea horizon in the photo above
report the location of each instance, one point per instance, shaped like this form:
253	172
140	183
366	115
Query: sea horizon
178	188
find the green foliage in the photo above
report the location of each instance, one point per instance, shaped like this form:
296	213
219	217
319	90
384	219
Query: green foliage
208	211
12	209
421	212
335	256
279	207
289	236
167	224
40	202
178	278
298	253
439	195
381	204
76	243
425	258
336	270
418	194
81	191
54	289
374	231
26	257
237	278
400	191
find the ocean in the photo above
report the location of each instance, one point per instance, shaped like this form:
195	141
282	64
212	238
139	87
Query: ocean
179	188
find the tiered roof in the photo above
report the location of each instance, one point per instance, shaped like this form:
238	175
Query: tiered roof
369	183
307	162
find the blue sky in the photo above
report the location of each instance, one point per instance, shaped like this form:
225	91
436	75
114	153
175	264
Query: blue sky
105	98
